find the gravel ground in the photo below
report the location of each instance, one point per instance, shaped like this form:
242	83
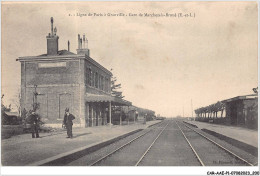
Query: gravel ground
210	154
130	154
92	157
170	149
240	152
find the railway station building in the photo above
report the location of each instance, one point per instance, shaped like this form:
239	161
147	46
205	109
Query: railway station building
63	79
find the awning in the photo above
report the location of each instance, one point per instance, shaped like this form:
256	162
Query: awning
106	98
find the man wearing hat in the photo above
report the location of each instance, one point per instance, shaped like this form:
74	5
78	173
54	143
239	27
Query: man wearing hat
34	121
68	117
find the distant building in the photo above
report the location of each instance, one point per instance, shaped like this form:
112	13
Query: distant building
9	118
138	113
68	80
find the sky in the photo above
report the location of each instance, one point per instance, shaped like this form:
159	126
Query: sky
167	64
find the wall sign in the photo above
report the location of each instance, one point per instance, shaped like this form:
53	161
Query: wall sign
52	64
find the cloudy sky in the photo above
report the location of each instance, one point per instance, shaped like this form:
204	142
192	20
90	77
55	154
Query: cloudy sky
162	62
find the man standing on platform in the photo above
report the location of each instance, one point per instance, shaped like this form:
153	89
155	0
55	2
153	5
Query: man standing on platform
68	122
145	116
34	120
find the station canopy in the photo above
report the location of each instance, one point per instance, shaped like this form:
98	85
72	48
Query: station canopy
106	98
244	97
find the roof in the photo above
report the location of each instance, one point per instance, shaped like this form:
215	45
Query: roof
97	64
61	53
244	97
106	98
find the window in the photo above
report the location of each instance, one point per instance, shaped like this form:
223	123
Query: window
93	80
96	80
102	83
90	77
86	76
105	81
107	85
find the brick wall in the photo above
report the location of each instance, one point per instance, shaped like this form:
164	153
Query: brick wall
60	84
58	88
53	101
55	75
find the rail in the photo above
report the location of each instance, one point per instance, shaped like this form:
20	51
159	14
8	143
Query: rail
215	143
114	151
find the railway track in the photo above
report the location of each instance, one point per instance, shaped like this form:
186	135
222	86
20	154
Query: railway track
234	157
131	141
165	144
150	146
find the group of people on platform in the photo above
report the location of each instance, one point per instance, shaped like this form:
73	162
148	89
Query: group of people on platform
34	120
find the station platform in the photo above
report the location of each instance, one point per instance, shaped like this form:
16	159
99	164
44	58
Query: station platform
23	150
241	134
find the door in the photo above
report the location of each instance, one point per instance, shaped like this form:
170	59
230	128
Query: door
42	100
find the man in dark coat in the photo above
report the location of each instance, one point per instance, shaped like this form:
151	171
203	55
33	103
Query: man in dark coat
68	122
34	121
145	116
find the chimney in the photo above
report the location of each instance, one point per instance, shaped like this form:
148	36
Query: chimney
83	40
81	43
78	41
51	25
68	45
52	41
82	50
